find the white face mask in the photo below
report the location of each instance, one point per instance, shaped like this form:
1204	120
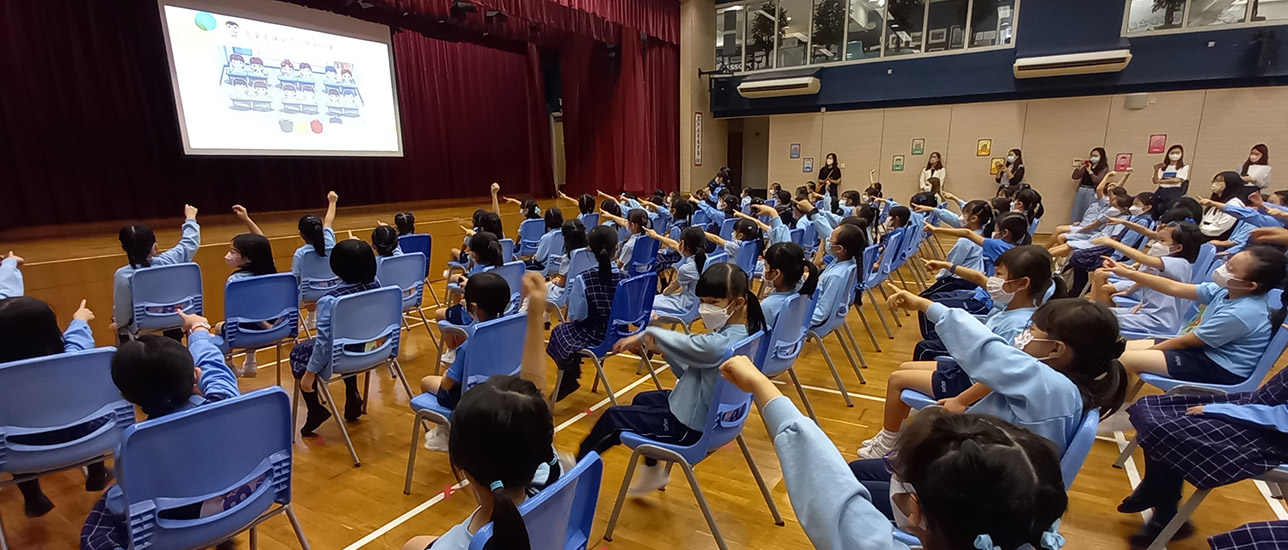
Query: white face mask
1222	278
1025	337
1174	157
1136	210
1218	188
1114	212
898	487
925	187
1010	158
1000	296
1158	250
713	316
1094	160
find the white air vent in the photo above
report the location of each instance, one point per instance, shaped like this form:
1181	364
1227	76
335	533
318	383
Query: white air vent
779	87
1070	64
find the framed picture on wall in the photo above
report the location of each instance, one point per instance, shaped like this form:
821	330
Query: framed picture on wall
984	148
937	36
918	146
795	151
995	166
807	165
955	36
1157	143
896	164
1122	161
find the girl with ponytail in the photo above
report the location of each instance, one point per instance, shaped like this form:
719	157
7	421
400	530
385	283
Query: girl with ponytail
384	240
310	261
140	246
789	271
730	312
678	297
589	296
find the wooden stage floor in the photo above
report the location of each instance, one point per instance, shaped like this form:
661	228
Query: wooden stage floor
342	507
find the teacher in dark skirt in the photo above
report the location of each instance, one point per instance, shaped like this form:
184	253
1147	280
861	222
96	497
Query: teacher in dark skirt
830	175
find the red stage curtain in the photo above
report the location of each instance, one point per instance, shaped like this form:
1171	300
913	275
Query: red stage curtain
88	130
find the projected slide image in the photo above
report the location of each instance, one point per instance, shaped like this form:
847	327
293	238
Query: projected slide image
248	85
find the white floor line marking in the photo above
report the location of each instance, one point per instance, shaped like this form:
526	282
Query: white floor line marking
833	392
1274	503
439	496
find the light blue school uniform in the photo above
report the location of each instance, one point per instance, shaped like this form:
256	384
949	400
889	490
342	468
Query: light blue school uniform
320	361
627	249
556	294
744	203
833	283
695	361
578	306
682	301
1007	323
1095	211
773	304
1234	332
11	284
964	253
307	263
458	537
716	215
1026	392
948	217
123	297
239	275
1159	313
546	244
77	337
631	204
778	231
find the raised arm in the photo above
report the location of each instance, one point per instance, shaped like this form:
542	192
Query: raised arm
245	219
872	177
966	273
666	241
1131	253
566	197
496	206
956	232
533	368
11	284
715	239
763	226
1161	284
329	217
609	217
1147	232
607	196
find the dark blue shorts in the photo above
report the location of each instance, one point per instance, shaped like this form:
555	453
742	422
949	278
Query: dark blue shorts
1192	365
950	381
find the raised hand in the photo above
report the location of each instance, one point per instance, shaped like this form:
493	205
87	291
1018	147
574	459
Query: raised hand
496	188
534	288
240	211
189	212
331	196
740	371
193	322
935	265
83	313
1264	234
15	258
902	299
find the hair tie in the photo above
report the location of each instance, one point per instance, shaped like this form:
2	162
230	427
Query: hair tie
554	461
985	542
497	485
1051	538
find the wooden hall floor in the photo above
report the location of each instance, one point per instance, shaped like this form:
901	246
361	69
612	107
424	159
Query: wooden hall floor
342	507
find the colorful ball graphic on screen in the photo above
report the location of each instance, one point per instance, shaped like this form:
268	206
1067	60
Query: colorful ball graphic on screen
204	21
286	125
316	125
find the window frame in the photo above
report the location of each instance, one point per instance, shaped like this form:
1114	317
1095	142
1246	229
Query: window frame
885	27
1186	29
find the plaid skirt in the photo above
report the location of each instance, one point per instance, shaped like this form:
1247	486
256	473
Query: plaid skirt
1259	535
568	338
300	356
1089	259
1211	451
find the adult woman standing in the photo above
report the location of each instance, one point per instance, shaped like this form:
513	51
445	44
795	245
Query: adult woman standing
1170	176
1088	173
1256	170
1012	172
830	175
934	169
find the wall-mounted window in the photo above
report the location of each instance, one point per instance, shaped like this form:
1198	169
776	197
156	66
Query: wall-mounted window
777	34
1167	16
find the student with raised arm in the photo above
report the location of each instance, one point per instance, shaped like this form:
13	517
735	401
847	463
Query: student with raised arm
1171	257
778	231
745	233
1250	217
310	260
976	216
1010	229
1234	330
585	203
528	209
140	245
678	297
1007	476
11	284
496	206
636	223
846	244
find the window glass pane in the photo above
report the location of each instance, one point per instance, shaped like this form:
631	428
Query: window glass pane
992	22
1147	15
729	27
905	21
793	31
947	19
1204	13
1270	10
760	35
829	28
863	29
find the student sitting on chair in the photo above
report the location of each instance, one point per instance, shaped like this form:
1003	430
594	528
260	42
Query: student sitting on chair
1093	216
778	231
1120	202
590	298
636	223
384	240
11	276
528	209
1234	330
29	329
355	264
731	312
140	246
1021	283
678	297
485	255
847	242
785	271
1007	476
486	297
405	222
574	237
681	218
745	232
1171	257
161	377
249	254
976	216
585	203
310	260
554	228
1009	230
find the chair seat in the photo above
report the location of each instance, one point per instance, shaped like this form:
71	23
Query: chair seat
429	402
916	399
691	453
1277	475
906	538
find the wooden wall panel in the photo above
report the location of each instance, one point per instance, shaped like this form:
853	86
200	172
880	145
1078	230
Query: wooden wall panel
855	137
1002	122
1055	132
902	125
1176	114
784	130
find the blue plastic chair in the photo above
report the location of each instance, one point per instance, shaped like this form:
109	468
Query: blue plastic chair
1033	227
511	271
785	342
159	292
561	516
253	301
835	325
50	393
810	239
371	321
491	348
687	318
869	279
632	306
726	228
889	264
423	243
556	254
700	218
405	272
581	261
589	220
798	236
726	415
643	256
201	439
747	257
507	250
530	233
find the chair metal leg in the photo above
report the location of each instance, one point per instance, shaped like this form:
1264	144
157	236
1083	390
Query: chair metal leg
335	415
560	313
432	293
621	495
402	377
899	273
411	453
854	344
846	348
832	366
1182	516
873	299
706	509
649	367
366	390
760	480
427	329
279	364
295	412
1127	452
295	525
809	407
550	400
599	370
868	327
254	538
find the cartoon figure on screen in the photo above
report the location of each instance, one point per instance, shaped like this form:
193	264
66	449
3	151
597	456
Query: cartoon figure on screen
346	76
334	105
240	95
236	64
259	94
288	70
257	65
231	27
330	74
305	72
290	100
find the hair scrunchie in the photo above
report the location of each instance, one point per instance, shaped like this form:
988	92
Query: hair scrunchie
985	542
1051	538
496	485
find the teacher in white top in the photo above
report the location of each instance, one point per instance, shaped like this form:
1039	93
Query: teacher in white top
1256	170
934	169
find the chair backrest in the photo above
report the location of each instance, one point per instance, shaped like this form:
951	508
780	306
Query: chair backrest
250	301
726	228
561	516
729	407
589	220
747	256
418	242
530	232
512	272
632	305
580	261
798	236
893	247
1204	264
557	243
371	318
199	439
407	272
784	343
1274	348
809	240
159	292
700	218
1075	453
716	258
643	255
494	348
507	250
50	393
1033	227
871	278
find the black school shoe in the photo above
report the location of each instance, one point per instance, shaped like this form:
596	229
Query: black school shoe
1148	532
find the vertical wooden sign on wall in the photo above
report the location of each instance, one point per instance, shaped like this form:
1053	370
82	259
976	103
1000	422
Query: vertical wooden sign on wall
697	138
